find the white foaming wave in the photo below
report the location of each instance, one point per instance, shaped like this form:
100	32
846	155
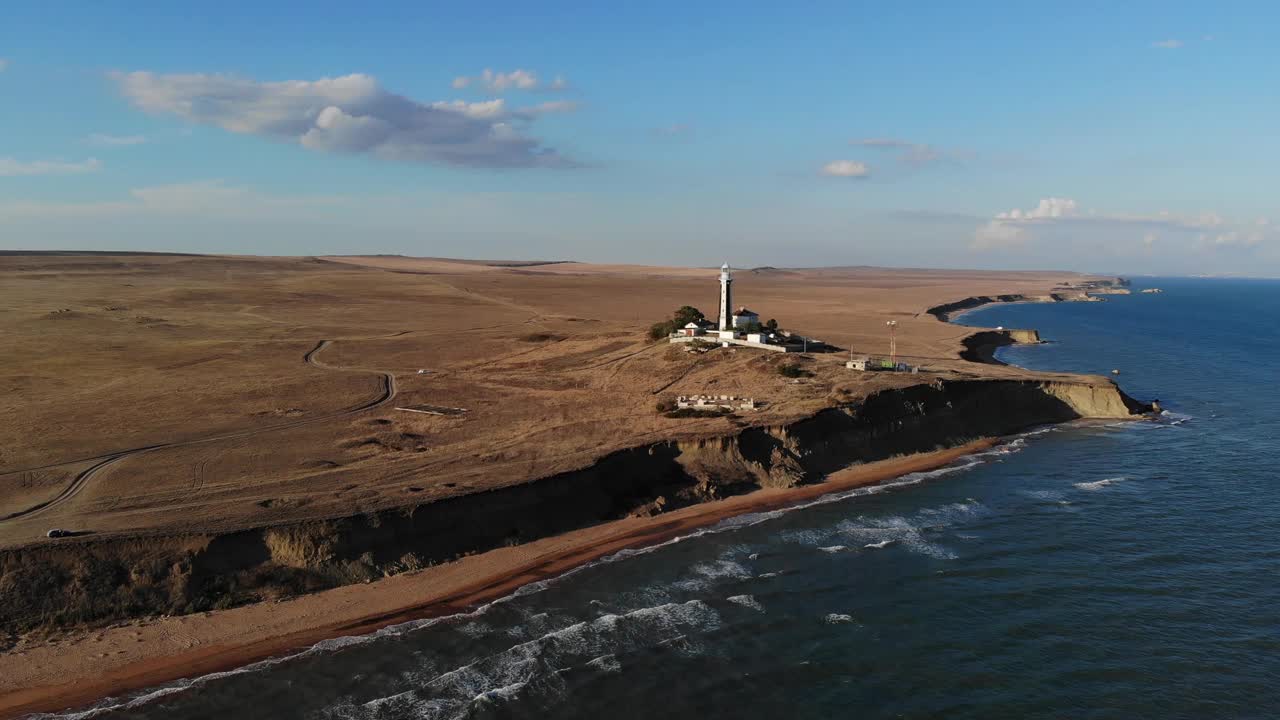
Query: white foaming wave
112	705
707	574
747	601
733	523
605	663
539	663
1049	497
1100	484
897	529
838	618
500	694
880	532
1039	431
955	511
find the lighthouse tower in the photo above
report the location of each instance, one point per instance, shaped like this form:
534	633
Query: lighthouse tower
726	298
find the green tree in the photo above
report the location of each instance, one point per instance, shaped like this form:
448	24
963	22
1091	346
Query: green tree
687	314
660	330
771	326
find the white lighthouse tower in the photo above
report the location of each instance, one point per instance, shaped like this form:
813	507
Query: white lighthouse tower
726	298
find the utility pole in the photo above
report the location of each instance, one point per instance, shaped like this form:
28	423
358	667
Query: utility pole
893	342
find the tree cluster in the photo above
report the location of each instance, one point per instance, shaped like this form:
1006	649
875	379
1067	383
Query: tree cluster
684	315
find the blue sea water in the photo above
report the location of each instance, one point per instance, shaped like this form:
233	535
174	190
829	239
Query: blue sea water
1095	570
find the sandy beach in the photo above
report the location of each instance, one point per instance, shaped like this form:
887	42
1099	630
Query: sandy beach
127	658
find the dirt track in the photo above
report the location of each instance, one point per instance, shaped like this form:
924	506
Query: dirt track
82	478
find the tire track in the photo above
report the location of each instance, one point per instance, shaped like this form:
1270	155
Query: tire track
78	483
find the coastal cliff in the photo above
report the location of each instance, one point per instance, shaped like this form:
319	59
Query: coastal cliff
1086	291
981	346
93	581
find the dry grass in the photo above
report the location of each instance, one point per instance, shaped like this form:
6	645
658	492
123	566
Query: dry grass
551	363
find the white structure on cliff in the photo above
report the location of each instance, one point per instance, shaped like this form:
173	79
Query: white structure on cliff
740	327
744	318
715	402
726	299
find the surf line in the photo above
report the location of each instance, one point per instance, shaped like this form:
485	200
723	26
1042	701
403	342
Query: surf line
499	574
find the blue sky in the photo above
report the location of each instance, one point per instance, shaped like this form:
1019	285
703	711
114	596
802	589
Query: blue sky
1027	135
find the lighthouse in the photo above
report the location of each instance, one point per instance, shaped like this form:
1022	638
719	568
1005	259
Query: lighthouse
726	298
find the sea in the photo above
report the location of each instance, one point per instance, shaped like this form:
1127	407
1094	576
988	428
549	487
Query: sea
1090	570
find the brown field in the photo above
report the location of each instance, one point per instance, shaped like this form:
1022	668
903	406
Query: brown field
158	403
159	393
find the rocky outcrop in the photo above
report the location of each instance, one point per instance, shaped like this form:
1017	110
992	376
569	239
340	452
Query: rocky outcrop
981	346
102	580
1084	292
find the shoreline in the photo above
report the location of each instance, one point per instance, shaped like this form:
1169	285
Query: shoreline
90	666
211	645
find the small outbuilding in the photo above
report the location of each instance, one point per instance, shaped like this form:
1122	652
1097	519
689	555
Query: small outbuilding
858	363
693	329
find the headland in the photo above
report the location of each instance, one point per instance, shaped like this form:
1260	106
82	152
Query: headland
248	455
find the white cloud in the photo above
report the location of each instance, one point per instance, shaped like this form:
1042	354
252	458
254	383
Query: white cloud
846	169
499	82
909	153
1169	44
1017	227
1051	207
349	114
489	109
103	140
10	167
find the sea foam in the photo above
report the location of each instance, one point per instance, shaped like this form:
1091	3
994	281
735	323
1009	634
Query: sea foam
1099	484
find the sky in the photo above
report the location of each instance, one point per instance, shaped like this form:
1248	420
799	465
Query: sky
1136	137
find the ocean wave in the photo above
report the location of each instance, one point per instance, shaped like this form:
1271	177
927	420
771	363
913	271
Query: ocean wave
838	618
1100	484
706	574
747	601
536	666
900	530
1048	496
833	548
608	663
895	530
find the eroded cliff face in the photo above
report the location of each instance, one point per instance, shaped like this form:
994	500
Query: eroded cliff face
102	580
981	346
